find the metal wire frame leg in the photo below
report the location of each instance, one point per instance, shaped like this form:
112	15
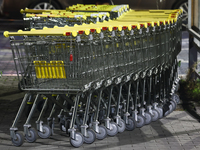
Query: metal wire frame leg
142	102
84	126
96	116
65	115
129	121
107	119
149	89
117	116
149	86
51	119
159	85
134	100
13	128
39	122
146	114
164	84
111	127
152	110
175	76
154	99
71	129
127	114
27	126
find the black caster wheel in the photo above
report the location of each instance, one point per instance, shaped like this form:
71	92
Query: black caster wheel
102	133
173	103
140	121
148	118
19	140
122	126
91	136
114	129
160	111
62	126
131	124
78	141
46	132
32	137
155	115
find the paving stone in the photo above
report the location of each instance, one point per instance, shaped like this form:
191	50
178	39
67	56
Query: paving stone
114	148
139	148
164	148
197	143
125	148
197	146
177	148
189	147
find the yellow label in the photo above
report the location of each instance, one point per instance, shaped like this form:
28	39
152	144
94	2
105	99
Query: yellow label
54	69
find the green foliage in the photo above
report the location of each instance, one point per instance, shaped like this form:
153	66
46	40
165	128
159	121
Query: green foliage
179	64
191	85
195	90
192	89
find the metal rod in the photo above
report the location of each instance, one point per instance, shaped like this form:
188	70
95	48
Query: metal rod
21	110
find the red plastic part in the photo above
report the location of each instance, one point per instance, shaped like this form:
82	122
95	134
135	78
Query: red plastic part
68	33
124	27
134	26
70	57
114	28
80	32
92	30
104	28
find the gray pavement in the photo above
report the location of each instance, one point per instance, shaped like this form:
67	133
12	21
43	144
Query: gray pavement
177	131
183	55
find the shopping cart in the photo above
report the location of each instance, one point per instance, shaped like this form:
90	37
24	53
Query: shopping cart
102	78
115	11
39	21
49	18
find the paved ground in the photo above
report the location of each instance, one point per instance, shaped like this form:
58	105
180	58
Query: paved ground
183	55
177	131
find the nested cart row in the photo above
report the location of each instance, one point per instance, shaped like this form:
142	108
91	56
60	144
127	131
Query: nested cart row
102	78
71	16
49	18
39	21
